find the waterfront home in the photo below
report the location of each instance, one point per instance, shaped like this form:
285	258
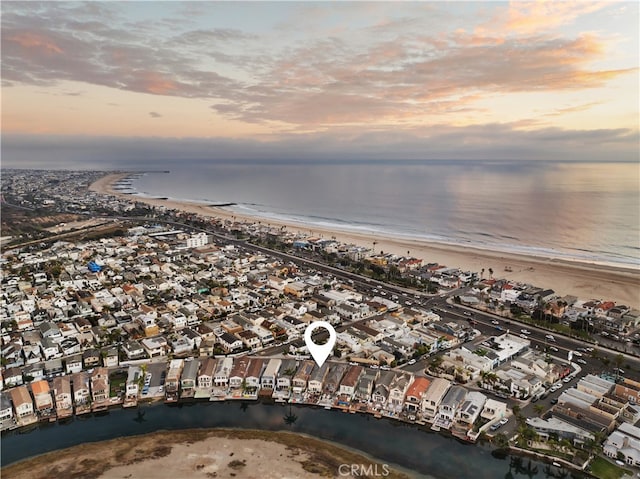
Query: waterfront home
172	381
238	372
207	371
333	379
299	381
380	393
222	371
366	383
270	374
189	377
493	410
42	396
433	397
62	394
81	392
625	442
316	380
100	387
449	406
556	427
254	371
349	382
471	408
397	391
285	375
415	394
6	408
22	404
132	388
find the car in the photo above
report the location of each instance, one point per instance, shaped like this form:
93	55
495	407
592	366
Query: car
554	401
385	368
525	331
550	338
618	370
577	353
524	336
495	322
161	389
408	303
499	328
581	361
467	313
412	361
553	348
503	421
567	379
496	426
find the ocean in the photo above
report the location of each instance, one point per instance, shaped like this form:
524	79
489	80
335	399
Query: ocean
586	212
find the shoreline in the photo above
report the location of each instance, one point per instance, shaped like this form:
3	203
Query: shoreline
584	280
199	452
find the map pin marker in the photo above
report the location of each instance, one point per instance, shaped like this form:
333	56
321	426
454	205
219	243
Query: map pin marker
320	352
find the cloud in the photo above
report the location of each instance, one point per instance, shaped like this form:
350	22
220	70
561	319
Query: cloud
390	70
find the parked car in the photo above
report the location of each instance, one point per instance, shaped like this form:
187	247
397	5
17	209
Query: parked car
495	322
412	361
504	420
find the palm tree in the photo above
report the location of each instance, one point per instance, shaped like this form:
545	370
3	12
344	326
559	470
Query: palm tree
490	273
481	273
539	409
290	418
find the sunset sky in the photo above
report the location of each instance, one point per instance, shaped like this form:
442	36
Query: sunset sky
384	80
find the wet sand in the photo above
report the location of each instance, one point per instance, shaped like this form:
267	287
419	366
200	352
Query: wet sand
584	280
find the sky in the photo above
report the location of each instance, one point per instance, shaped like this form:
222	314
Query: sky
319	80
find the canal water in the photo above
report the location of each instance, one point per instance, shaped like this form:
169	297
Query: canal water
428	454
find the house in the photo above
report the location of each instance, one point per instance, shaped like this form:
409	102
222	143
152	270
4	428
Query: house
316	380
380	393
299	382
110	357
629	389
99	386
349	382
6	408
365	385
42	396
133	349
172	381
252	378
73	364
229	342
50	349
132	389
249	339
433	397
270	374
238	373
449	406
154	347
397	391
624	442
62	395
333	378
13	377
189	377
91	358
222	372
415	393
22	403
471	408
287	370
81	392
206	374
493	410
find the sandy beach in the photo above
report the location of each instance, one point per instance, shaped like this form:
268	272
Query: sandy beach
584	280
197	453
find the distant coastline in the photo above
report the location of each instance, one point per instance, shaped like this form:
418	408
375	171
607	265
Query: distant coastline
584	280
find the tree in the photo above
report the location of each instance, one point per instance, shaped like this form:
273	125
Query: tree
490	273
539	409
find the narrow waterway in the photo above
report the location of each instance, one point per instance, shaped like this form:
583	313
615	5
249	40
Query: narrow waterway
429	454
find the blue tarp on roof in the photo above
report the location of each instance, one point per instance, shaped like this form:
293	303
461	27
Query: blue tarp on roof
94	267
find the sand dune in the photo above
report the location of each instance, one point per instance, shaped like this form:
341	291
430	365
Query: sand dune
584	280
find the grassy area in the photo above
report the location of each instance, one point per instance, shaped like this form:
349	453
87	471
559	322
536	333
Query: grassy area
117	384
604	469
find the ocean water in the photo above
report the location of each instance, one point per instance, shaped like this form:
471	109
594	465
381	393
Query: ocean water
581	211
